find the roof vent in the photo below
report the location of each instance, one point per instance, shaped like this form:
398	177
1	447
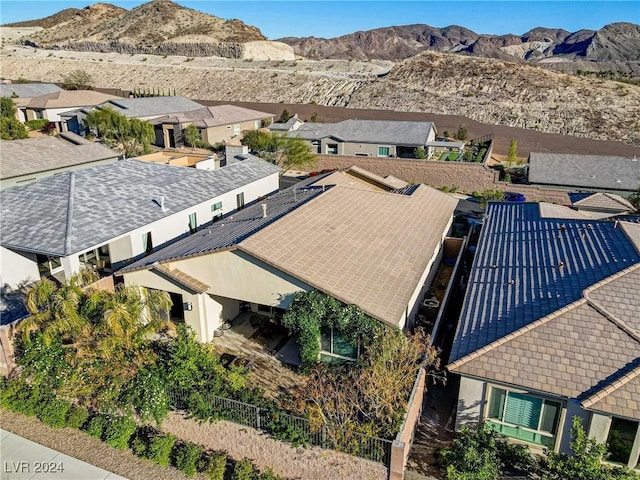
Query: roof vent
161	203
618	180
264	210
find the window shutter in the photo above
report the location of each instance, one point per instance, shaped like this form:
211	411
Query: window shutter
523	410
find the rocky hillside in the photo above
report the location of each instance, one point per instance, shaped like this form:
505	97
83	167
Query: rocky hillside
618	42
148	25
487	90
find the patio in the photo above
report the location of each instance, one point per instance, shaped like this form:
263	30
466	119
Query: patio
265	348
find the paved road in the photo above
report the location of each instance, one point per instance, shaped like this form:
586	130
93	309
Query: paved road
23	459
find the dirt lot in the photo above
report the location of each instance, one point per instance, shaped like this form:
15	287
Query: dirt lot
240	442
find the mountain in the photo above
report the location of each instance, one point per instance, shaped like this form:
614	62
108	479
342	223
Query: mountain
618	42
149	24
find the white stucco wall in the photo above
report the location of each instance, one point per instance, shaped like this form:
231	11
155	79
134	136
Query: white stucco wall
17	268
599	427
470	402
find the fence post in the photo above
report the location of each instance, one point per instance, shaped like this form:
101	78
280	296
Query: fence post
258	418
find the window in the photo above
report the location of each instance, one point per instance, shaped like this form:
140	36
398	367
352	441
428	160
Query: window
48	265
236	130
240	200
332	148
334	348
147	243
383	151
257	124
522	416
622	434
216	206
193	222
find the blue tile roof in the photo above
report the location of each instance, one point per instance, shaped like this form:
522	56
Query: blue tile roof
527	267
232	229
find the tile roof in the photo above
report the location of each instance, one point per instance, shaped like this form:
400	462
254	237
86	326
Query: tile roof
576	352
35	155
69	99
585	171
369	131
632	229
362	247
152	106
182	278
229	231
74	211
357	177
604	201
286	126
214	116
27	90
550	210
527	267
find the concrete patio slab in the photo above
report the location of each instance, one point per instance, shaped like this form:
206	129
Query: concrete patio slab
23	459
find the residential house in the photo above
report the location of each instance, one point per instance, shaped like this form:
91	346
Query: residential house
34	158
362	242
53	105
549	329
216	124
23	93
99	217
292	124
592	173
601	204
144	108
368	138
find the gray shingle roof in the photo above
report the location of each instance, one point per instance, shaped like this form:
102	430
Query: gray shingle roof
527	267
73	211
584	171
214	116
369	131
151	106
35	155
230	230
27	90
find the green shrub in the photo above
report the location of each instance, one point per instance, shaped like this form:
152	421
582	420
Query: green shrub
96	426
77	416
243	470
119	431
160	448
187	457
54	412
268	474
36	124
138	446
213	465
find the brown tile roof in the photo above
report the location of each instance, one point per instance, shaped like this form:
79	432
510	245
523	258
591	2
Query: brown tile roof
363	247
566	353
70	98
550	210
356	177
618	297
622	397
632	230
182	278
605	201
214	116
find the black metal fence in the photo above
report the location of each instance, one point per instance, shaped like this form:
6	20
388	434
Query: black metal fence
296	430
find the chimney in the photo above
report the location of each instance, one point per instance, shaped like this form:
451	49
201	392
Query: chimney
264	210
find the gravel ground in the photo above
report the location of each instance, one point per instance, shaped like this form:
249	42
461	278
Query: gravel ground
83	447
240	442
300	463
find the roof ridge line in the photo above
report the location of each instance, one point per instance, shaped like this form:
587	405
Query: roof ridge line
507	338
617	200
615	385
69	226
609	279
612	318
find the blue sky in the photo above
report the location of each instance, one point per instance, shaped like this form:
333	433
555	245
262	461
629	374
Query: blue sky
321	18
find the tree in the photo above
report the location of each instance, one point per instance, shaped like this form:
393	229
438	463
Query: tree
635	199
12	129
481	453
281	150
7	108
462	133
314	117
420	153
284	116
513	151
585	463
192	136
130	136
78	80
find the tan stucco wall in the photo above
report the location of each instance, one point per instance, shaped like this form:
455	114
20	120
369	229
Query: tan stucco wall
223	133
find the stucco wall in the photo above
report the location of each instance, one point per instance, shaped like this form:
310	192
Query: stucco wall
470	402
17	268
564	427
223	133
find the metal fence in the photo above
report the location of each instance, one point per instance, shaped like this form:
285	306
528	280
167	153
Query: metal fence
280	425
